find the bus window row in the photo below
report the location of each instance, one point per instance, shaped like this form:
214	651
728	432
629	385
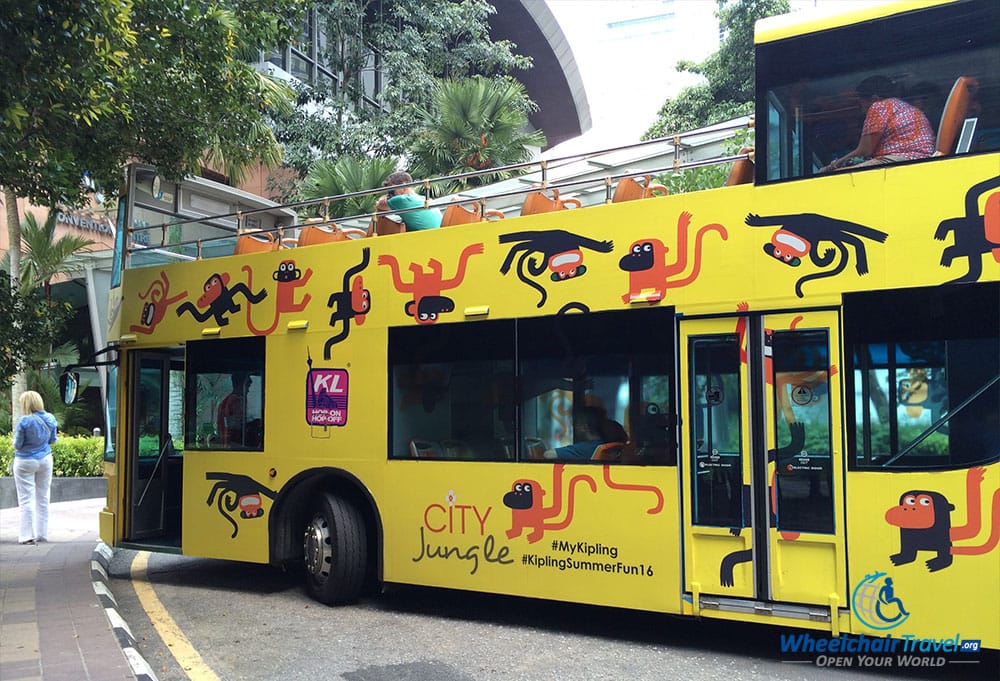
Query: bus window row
601	387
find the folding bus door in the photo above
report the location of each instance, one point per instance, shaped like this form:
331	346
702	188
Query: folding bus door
153	461
763	464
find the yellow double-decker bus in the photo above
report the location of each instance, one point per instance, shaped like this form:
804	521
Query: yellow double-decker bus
777	401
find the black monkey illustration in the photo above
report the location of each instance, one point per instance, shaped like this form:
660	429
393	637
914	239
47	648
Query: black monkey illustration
924	521
237	491
975	234
803	233
797	431
218	299
353	302
558	250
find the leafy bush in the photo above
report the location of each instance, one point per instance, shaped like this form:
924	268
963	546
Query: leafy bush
73	457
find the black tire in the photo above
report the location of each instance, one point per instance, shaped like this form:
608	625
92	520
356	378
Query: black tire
334	547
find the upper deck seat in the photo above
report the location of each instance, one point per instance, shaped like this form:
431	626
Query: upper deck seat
539	202
630	189
255	243
742	172
329	232
385	224
956	109
467	213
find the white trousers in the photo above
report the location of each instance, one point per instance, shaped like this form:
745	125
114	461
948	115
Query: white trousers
33	478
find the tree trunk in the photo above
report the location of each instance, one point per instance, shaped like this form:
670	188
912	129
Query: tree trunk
20	383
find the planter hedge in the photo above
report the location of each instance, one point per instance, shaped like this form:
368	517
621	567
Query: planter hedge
73	457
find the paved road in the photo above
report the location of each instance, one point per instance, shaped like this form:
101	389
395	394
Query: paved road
255	622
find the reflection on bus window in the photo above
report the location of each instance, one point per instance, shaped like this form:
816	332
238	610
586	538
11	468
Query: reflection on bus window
452	391
593	387
224	395
815	113
803	452
926	396
717	460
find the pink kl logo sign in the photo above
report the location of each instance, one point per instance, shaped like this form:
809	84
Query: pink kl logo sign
326	397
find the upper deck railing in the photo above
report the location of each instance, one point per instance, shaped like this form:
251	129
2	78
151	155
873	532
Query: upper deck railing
196	238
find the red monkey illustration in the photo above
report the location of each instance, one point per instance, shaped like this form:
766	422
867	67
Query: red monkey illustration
155	308
289	278
428	303
526	505
924	522
646	262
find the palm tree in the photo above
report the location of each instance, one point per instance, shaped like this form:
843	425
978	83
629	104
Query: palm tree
344	176
474	124
43	256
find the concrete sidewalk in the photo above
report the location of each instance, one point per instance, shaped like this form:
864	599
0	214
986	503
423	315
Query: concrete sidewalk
56	612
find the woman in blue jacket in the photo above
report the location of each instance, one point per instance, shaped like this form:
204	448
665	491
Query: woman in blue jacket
33	437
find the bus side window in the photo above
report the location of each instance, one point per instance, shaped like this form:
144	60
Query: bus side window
224	394
924	397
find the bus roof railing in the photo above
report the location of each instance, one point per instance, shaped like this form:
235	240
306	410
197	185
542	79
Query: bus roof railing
535	180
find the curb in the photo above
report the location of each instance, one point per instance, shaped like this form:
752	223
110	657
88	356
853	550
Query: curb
99	562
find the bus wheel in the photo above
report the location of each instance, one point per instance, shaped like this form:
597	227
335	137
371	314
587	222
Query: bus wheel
334	548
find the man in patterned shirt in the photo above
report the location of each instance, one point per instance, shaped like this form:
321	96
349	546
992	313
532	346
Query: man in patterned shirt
893	131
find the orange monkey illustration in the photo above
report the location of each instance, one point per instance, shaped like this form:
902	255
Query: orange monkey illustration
646	262
528	510
428	303
289	278
155	307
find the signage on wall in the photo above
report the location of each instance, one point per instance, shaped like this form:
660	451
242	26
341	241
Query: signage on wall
86	223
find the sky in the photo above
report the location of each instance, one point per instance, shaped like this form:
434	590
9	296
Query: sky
626	50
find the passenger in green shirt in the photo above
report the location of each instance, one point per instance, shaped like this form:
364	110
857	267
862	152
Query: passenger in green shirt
400	198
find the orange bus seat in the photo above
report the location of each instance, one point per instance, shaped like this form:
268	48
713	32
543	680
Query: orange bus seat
386	225
328	233
742	172
464	214
534	448
991	222
255	243
630	189
609	451
425	449
538	202
955	110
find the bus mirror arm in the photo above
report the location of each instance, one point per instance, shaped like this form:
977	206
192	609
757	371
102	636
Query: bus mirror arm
69	380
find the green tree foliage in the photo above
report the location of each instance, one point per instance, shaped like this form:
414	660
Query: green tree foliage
706	177
91	84
473	124
76	418
729	73
417	41
30	325
344	176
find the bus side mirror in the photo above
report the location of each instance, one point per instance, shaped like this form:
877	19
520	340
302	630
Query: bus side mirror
69	381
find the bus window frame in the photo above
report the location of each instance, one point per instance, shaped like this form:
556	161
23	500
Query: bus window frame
876	318
812	59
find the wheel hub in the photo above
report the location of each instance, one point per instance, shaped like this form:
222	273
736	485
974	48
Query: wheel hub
317	549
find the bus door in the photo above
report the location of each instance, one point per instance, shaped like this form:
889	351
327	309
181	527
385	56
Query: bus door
763	464
154	462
